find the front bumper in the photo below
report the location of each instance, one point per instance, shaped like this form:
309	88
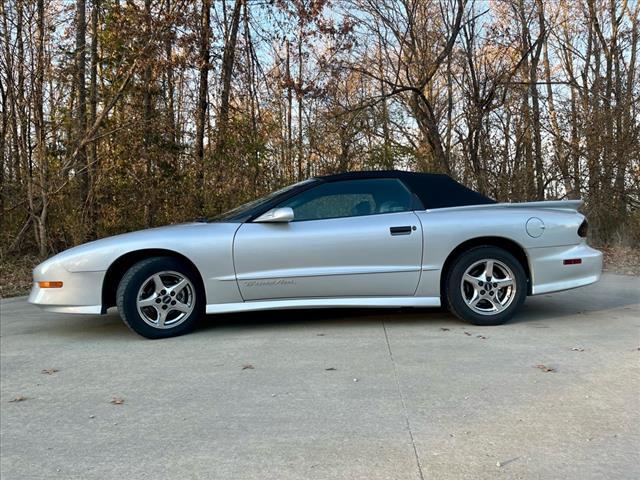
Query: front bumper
549	274
81	292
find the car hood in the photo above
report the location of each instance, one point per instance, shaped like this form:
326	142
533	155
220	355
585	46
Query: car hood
99	254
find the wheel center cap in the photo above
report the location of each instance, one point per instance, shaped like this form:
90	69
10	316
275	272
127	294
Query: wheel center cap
166	299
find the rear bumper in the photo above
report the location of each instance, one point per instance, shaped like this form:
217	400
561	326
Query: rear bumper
549	274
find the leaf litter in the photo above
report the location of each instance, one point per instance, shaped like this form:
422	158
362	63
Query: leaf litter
544	368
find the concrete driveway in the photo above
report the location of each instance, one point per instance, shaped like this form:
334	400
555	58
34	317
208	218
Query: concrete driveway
329	394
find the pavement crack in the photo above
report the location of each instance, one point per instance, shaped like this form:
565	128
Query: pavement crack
404	405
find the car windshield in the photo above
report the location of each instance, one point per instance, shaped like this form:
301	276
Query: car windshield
247	209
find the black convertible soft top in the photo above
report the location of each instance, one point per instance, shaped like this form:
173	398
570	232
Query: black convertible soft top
433	189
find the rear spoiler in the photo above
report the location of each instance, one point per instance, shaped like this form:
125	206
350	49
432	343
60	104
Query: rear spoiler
570	205
550	204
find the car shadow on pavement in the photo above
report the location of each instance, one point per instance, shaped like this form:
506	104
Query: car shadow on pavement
534	311
334	317
571	304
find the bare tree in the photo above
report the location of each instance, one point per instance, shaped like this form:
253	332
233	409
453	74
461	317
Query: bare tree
203	86
81	101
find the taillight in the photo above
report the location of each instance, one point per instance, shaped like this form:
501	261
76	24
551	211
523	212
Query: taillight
583	229
572	261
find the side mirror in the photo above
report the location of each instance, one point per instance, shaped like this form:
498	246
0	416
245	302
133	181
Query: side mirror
276	215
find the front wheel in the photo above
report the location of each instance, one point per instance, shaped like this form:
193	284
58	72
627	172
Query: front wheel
160	297
486	286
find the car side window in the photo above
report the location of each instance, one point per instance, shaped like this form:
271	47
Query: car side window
350	198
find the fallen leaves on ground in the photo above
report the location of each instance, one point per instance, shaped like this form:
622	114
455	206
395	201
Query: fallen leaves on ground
467	334
621	260
49	371
481	337
444	329
544	368
330	369
577	349
117	401
248	366
19	398
16	274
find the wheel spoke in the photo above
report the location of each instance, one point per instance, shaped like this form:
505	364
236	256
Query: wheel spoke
148	302
177	288
495	303
162	316
157	281
475	299
471	279
502	282
488	269
180	307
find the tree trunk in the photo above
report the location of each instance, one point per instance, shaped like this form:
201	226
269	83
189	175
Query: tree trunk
81	104
201	112
147	125
228	58
168	49
288	80
561	157
535	100
423	111
387	160
299	98
93	111
3	136
41	147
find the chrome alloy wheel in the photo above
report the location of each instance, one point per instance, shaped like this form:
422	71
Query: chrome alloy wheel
488	286
165	299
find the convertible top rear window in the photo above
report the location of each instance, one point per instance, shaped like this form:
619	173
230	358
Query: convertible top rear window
442	191
434	190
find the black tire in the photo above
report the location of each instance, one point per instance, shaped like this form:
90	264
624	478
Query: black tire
139	274
453	290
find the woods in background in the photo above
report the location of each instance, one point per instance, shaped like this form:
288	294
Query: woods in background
118	115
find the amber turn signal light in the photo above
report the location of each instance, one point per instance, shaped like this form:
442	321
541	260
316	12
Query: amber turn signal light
50	284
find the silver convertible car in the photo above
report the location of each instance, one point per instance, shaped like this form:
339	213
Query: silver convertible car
361	239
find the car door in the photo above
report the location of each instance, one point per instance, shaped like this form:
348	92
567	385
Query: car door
347	238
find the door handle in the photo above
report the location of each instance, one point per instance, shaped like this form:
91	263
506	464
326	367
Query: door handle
404	230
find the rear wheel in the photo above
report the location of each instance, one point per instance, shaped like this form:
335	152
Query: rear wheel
486	286
161	297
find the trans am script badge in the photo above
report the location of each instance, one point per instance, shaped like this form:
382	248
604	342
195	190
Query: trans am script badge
266	283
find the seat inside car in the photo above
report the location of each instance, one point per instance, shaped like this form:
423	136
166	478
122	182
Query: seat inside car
362	208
